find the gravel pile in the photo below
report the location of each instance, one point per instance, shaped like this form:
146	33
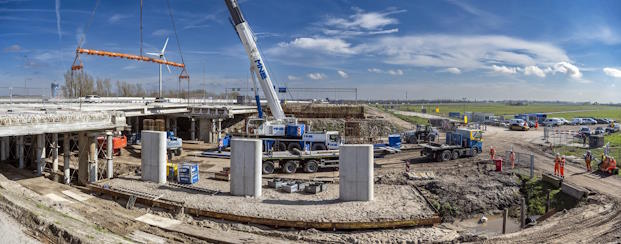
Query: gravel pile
392	202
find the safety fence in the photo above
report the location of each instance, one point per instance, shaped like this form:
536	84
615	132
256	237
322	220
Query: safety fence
560	137
523	163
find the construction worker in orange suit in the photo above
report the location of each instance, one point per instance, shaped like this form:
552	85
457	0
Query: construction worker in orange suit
557	164
536	124
512	158
588	157
563	167
492	153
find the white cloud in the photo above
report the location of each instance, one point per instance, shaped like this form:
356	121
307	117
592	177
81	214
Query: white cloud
613	72
598	33
395	72
13	48
60	33
464	51
504	69
115	18
567	68
292	77
361	23
316	76
374	70
161	32
452	70
343	74
534	70
326	45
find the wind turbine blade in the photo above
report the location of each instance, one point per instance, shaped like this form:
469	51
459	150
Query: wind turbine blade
153	54
167	65
165	43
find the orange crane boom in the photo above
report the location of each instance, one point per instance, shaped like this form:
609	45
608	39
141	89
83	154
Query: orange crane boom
127	56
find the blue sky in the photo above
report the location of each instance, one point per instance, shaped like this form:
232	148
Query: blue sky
545	50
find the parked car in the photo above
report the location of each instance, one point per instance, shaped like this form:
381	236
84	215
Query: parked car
599	131
601	121
565	122
552	122
584	131
518	124
589	121
92	99
577	121
613	129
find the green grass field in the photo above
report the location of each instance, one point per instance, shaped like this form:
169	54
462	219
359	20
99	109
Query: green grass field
567	111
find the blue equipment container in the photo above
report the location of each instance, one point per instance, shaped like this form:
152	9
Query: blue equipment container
294	130
188	173
394	141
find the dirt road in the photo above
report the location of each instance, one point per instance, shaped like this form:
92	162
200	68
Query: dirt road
595	224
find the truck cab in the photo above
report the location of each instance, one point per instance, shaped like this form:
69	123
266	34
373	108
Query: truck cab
324	140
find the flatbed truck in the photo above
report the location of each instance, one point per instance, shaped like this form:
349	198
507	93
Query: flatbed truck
309	161
460	143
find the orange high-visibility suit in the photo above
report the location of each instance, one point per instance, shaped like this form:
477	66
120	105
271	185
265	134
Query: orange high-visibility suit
587	160
492	153
563	168
557	163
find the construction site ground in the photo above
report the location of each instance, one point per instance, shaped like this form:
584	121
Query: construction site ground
461	190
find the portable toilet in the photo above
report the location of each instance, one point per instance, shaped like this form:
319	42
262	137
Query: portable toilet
394	141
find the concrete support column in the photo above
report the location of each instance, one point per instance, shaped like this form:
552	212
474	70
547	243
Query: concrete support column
136	124
54	153
219	129
192	129
246	170
67	158
167	123
356	172
110	153
203	130
92	158
83	158
213	138
4	145
174	125
20	152
153	156
40	154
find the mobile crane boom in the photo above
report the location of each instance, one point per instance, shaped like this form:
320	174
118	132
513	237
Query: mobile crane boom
256	61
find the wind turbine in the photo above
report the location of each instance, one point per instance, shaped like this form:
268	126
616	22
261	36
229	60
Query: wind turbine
161	56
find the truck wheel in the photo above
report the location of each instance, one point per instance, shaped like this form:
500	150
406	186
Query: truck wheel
412	140
455	154
178	151
280	146
311	166
319	147
290	167
431	138
294	146
445	155
268	167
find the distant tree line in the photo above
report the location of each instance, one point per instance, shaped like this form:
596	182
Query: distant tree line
80	84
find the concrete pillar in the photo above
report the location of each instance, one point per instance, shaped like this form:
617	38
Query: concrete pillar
246	170
192	129
92	158
153	156
203	130
136	124
356	172
20	152
110	154
4	144
40	154
83	158
67	158
219	130
54	153
174	125
167	123
212	137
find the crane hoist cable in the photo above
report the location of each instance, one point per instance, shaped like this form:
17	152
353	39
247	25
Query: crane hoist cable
184	74
77	63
